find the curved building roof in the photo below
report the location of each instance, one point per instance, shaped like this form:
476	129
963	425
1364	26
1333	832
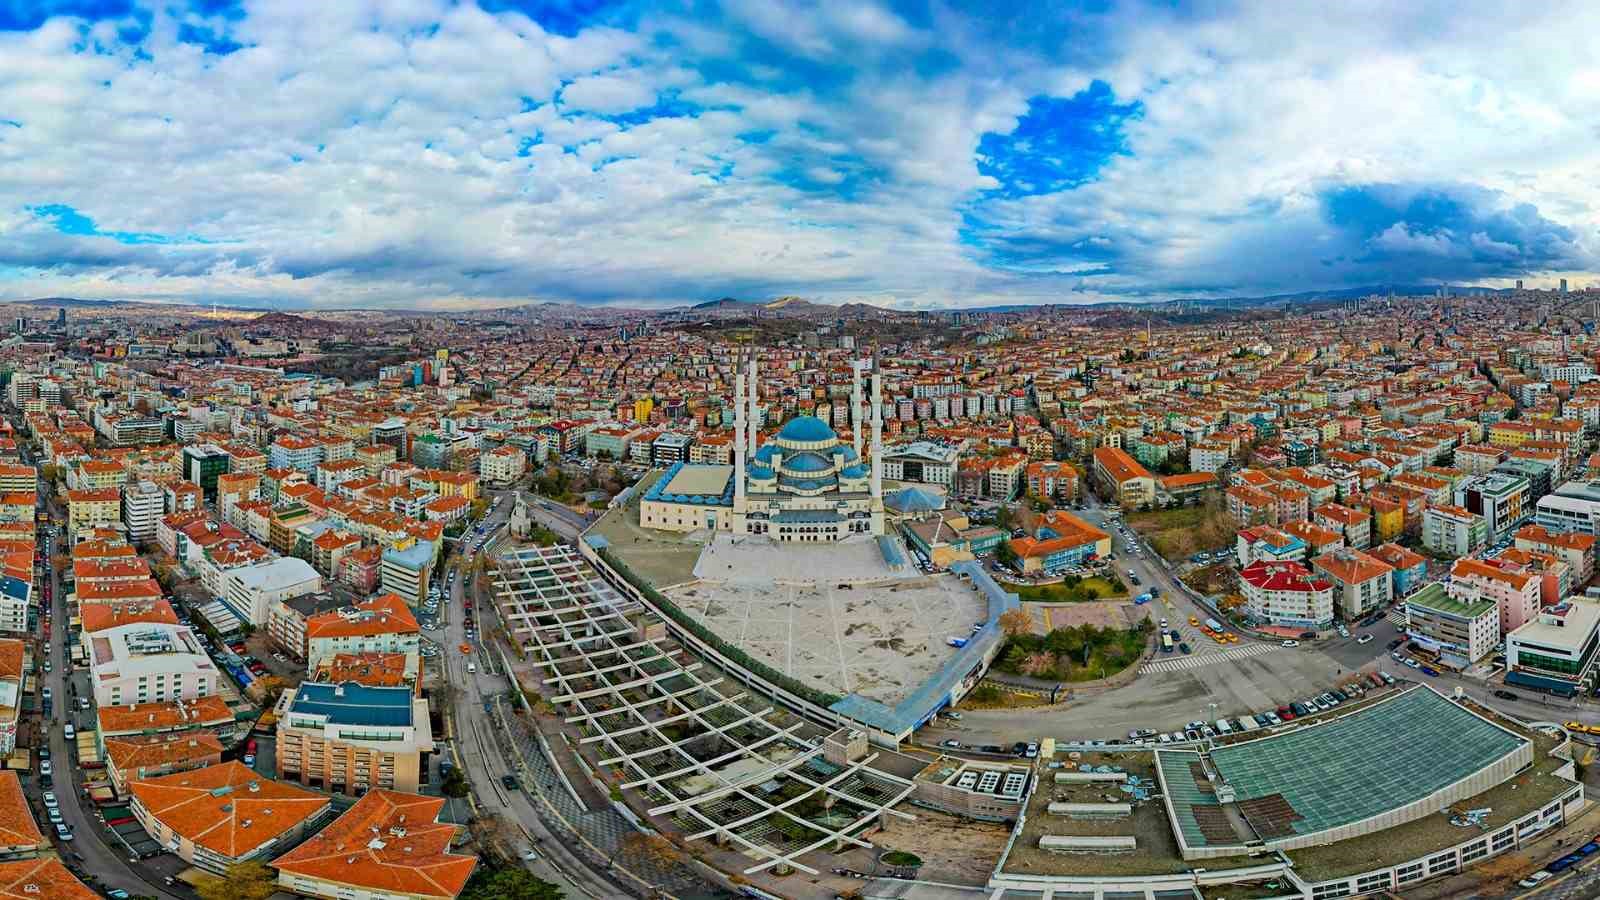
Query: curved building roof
807	462
806	430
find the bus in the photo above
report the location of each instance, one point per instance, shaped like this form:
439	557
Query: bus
1166	642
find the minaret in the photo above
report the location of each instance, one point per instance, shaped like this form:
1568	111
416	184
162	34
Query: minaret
754	418
738	443
855	406
877	440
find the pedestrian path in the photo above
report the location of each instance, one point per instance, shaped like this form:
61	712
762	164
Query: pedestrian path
1396	617
1182	663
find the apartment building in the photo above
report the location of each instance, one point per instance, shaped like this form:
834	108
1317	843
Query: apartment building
148	662
1514	590
1287	594
90	508
923	462
338	863
224	814
1362	583
1574	548
351	738
1453	531
502	465
1123	478
143	505
381	624
1459	630
406	568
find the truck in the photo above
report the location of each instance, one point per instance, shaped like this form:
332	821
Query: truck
1214	625
1166	642
957	642
1143	598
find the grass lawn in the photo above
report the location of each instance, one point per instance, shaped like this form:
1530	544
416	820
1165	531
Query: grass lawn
1094	588
1179	533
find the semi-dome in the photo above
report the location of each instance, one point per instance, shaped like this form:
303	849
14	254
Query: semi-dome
807	462
806	430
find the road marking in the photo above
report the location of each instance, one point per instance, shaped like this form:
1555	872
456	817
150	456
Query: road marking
1183	663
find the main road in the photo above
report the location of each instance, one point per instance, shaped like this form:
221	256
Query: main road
88	850
475	748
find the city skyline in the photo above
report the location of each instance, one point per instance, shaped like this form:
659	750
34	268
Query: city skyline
446	156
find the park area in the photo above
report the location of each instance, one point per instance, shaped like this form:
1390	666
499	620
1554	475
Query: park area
1071	589
1179	533
1072	653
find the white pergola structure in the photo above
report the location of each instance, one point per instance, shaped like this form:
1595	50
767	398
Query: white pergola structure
724	766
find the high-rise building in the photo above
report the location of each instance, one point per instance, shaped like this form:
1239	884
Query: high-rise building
61	317
1563	285
1519	284
202	465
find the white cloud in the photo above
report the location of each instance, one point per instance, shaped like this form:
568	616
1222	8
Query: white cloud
426	151
606	95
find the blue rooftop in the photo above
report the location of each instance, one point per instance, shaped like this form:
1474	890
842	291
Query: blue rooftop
415	557
808	462
351	703
806	430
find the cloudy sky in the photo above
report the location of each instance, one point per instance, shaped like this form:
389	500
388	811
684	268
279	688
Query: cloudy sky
416	153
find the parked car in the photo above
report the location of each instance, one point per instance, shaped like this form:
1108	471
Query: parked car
1505	695
1290	644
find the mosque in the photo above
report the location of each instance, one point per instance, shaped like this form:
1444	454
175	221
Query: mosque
805	484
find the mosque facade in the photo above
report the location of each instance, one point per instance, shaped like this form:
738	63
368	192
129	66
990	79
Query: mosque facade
804	484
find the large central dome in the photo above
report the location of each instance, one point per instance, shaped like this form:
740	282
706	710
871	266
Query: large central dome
806	430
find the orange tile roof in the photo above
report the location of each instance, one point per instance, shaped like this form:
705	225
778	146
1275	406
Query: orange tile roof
369	669
1351	566
198	713
1118	464
389	842
126	568
112	591
1493	570
100	616
95	495
383	614
17	828
102	550
132	752
227	808
41	879
12	653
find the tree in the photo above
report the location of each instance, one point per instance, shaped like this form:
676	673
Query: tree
1016	621
455	784
248	880
1005	555
509	884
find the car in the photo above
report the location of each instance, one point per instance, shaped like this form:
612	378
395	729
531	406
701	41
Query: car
1411	663
249	759
953	745
1286	713
49	798
118	894
510	781
63	832
1364	639
1194	620
1430	671
1290	644
1396	643
529	854
1505	695
1183	647
1536	879
54	814
44	767
46	694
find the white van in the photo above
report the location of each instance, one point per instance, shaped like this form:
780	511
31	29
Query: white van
68	732
1223	727
472	667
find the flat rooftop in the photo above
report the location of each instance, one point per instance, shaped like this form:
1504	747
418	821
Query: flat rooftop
1300	782
1580	616
1435	598
704	480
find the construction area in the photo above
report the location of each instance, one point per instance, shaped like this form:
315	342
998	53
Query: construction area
681	741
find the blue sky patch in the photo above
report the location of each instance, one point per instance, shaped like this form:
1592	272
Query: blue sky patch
69	221
1059	144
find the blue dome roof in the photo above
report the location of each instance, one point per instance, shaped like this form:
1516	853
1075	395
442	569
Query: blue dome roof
807	462
858	470
760	472
913	500
806	430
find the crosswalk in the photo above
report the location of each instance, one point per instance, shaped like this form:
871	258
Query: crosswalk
1396	617
1181	663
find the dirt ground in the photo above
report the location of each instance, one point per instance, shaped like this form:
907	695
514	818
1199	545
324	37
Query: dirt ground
1104	614
953	851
